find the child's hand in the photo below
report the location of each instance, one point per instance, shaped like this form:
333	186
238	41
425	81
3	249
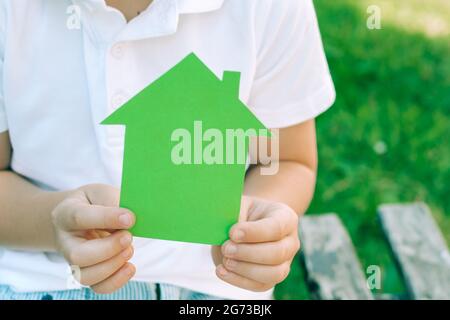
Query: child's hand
261	248
90	233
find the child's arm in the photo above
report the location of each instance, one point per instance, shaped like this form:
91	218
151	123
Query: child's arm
263	244
33	219
25	221
295	181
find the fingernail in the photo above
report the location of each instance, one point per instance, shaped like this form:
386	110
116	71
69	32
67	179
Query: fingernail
238	235
127	253
230	264
128	271
125	240
125	219
222	271
230	249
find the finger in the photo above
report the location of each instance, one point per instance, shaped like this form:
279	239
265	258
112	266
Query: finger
81	216
91	275
95	251
97	233
216	254
272	227
239	281
258	272
269	253
116	281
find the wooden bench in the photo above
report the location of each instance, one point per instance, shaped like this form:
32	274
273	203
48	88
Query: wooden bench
333	270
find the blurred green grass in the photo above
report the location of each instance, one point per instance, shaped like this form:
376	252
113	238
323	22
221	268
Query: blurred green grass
386	139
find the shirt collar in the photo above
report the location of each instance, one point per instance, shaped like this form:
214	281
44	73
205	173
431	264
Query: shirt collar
198	6
105	24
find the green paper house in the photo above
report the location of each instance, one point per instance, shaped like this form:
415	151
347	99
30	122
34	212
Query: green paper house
177	179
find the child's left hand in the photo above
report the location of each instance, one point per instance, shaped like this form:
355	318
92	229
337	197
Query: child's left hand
261	248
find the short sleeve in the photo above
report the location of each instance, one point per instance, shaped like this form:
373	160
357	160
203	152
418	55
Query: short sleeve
3	122
292	82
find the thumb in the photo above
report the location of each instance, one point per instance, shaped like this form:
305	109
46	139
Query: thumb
102	195
246	204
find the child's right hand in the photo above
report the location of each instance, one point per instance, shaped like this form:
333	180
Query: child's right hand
91	233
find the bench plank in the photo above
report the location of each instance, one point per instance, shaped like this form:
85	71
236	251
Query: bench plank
332	267
419	249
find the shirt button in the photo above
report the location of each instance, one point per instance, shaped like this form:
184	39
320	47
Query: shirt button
118	51
118	100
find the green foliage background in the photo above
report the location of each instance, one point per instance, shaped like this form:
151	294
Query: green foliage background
386	139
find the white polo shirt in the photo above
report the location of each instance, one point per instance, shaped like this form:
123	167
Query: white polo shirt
58	82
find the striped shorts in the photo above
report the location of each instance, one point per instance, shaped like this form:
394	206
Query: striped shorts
131	291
